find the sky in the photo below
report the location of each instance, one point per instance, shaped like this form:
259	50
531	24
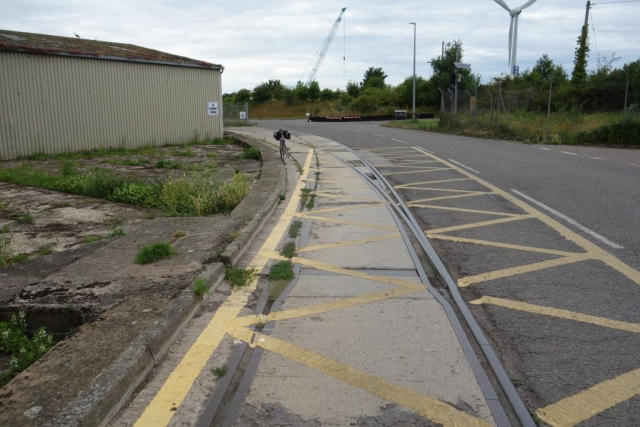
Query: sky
276	39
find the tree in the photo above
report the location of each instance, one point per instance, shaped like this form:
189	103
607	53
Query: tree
353	89
301	91
243	95
328	95
262	93
374	77
545	69
314	91
444	69
579	75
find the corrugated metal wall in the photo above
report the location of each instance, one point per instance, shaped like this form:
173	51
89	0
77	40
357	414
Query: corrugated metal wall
54	104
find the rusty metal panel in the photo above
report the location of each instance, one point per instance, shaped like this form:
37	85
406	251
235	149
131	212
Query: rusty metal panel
55	104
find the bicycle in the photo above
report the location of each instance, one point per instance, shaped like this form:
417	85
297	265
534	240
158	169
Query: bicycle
280	136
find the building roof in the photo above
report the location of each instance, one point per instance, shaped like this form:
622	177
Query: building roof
67	46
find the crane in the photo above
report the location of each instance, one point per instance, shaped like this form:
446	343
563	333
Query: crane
325	48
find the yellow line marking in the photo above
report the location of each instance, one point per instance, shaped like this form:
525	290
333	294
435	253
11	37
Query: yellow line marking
446	189
419	171
521	269
447	208
477	224
349	243
407	162
344	221
562	314
596	251
500	245
328	193
432	199
159	411
592	401
405	166
412	157
428	407
430	182
349	208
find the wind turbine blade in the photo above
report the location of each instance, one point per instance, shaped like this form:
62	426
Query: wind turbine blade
527	4
515	44
510	42
503	4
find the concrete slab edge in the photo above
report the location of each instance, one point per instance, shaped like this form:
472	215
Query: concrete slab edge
113	387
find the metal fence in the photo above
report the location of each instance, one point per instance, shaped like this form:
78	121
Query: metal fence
236	114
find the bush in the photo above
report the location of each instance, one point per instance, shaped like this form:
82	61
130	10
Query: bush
252	153
626	132
155	252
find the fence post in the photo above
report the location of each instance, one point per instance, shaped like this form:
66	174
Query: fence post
246	109
441	101
549	108
451	96
626	94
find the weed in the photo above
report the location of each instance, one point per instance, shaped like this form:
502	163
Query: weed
61	205
93	239
23	350
281	198
304	195
154	252
117	220
275	289
131	162
535	417
219	372
5	229
117	232
68	168
162	163
220	251
281	271
234	234
200	288
288	250
238	277
312	201
516	382
294	230
179	234
23	218
2	206
212	155
44	250
318	176
250	153
91	154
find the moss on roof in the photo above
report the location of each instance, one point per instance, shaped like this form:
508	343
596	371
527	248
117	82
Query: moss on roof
56	45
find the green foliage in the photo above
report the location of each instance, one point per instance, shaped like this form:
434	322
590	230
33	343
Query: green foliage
154	253
238	277
312	201
251	153
23	218
353	89
281	271
314	91
374	78
117	232
200	288
23	350
301	92
92	238
294	230
275	289
288	250
624	133
219	372
44	250
579	75
4	229
68	168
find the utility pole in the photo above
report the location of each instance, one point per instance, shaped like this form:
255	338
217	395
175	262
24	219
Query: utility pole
586	16
442	54
626	94
549	107
455	101
413	112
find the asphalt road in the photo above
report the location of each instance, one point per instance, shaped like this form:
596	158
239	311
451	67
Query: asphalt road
568	329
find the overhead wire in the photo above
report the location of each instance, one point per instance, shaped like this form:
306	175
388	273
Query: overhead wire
595	39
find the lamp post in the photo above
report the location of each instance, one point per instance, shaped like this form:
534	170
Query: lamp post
413	113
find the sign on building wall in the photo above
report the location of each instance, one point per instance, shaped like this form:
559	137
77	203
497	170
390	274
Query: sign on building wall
212	109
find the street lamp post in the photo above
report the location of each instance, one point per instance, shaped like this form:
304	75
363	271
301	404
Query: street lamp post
413	113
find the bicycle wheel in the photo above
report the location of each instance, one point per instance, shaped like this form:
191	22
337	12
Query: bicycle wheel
284	153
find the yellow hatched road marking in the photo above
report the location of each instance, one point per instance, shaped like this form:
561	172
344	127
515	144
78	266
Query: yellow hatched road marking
559	313
448	208
349	243
344	221
349	208
407	162
160	410
433	199
499	244
446	189
477	224
328	193
418	171
592	401
521	269
431	182
417	165
428	407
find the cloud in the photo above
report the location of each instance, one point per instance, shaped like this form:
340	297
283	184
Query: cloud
258	40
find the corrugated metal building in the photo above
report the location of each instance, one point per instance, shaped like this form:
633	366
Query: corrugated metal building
60	94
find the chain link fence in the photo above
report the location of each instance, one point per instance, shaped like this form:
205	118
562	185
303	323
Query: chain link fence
236	114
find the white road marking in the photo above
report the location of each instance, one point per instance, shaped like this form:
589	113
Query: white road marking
545	149
570	221
596	158
359	131
569	152
381	136
399	140
466	167
427	150
633	164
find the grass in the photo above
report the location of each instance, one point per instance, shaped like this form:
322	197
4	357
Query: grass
4	229
281	271
238	277
23	218
234	234
197	195
294	230
154	253
117	220
318	176
117	232
252	153
151	215
61	205
304	195
200	288
132	162
275	289
219	372
179	234
281	198
168	164
288	250
420	124
24	350
2	206
93	238
212	155
44	250
7	254
312	201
